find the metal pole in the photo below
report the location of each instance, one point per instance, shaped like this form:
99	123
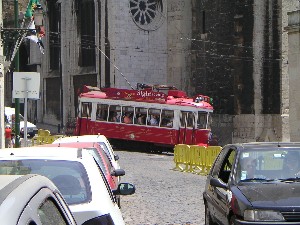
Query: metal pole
2	139
17	102
25	111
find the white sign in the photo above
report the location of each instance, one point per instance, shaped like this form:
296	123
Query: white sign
26	85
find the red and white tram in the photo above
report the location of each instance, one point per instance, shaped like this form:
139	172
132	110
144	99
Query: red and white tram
158	114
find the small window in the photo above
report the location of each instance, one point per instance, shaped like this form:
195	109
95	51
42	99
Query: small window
140	116
128	112
50	214
86	109
114	113
102	112
226	167
187	119
167	117
153	117
202	119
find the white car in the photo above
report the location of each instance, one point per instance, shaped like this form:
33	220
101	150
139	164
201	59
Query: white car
77	176
10	119
100	139
32	199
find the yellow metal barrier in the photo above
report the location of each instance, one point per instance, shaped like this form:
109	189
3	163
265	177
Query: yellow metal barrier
181	154
44	137
194	158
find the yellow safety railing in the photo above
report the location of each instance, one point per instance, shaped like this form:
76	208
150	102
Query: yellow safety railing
44	137
194	158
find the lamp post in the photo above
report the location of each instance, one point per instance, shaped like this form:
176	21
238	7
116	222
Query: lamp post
17	101
15	34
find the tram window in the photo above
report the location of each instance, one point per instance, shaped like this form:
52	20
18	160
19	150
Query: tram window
153	117
140	116
167	117
86	109
209	121
187	119
201	122
128	112
114	113
102	112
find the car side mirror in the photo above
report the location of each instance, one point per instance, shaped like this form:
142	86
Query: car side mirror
216	182
124	189
118	172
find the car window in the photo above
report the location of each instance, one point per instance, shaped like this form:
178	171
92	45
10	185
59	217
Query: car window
99	159
106	159
224	165
50	215
69	176
105	149
270	164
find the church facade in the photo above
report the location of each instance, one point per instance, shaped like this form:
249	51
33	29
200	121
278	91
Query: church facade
233	51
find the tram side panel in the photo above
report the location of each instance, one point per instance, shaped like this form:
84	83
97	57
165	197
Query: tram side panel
131	132
155	135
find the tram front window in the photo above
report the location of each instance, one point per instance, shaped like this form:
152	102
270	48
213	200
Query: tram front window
202	119
86	109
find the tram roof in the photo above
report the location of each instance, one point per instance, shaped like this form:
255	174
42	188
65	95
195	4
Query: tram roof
173	97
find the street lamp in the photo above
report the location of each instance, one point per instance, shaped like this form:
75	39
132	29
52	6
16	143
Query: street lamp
38	15
16	35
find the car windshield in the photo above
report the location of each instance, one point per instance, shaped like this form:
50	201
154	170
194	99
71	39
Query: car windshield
261	165
70	177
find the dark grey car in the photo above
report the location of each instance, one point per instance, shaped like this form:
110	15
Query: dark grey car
254	183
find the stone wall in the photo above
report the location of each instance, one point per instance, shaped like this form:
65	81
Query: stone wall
138	50
293	29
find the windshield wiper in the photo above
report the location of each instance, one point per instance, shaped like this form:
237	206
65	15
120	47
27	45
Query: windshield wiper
256	179
291	179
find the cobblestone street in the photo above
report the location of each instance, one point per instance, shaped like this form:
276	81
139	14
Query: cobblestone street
163	196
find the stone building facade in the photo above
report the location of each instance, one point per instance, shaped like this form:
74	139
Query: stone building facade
293	30
233	51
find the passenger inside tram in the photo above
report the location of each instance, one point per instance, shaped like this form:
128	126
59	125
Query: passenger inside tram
141	119
170	123
153	120
115	117
127	118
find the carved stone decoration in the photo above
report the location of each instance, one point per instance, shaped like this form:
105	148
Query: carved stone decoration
148	14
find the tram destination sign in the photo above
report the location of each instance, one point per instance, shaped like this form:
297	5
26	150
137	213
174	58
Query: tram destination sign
136	95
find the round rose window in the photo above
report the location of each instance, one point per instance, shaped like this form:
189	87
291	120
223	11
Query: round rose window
148	14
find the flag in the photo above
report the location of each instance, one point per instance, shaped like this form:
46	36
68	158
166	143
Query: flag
34	37
31	6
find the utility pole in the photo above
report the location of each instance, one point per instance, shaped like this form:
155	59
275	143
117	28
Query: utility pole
17	101
2	139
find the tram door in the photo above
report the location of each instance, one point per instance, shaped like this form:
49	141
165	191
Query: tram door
186	129
85	118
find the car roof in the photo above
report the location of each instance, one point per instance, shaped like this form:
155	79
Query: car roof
74	144
22	188
264	145
92	138
43	152
83	138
